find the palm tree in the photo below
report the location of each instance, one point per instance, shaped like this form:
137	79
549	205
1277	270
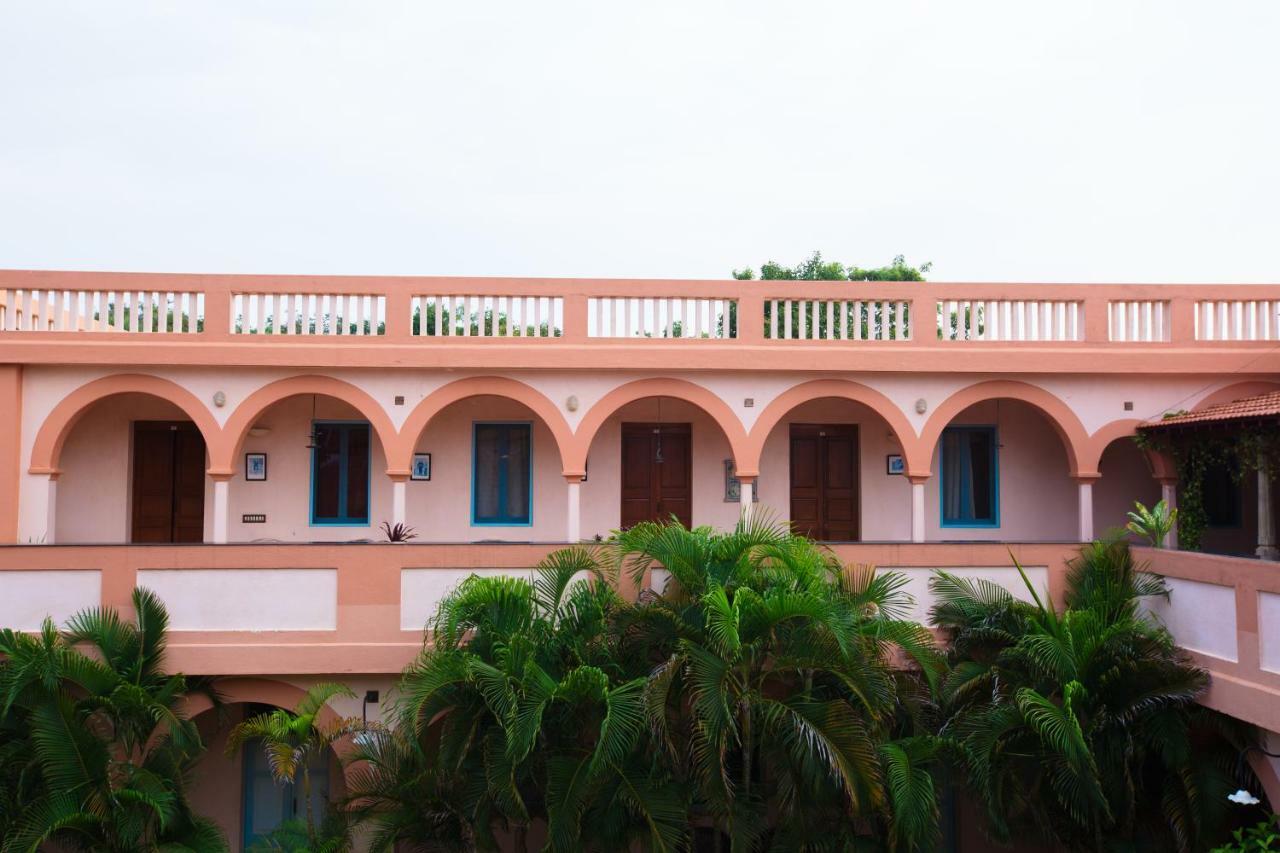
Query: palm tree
1082	726
773	690
530	704
97	749
293	738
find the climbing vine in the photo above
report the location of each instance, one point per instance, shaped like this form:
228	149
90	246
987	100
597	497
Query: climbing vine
1244	449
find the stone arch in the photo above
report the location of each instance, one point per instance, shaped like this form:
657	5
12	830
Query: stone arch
480	386
47	450
252	407
1064	421
717	409
840	389
1235	391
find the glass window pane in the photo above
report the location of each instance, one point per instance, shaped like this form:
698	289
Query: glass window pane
517	463
485	495
326	479
357	474
980	499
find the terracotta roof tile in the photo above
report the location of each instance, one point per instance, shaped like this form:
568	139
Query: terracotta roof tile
1249	408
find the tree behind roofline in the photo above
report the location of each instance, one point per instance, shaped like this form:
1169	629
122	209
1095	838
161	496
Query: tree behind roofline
860	320
816	269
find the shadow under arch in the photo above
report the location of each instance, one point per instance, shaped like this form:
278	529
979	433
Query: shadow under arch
841	389
716	408
252	407
52	435
479	386
1064	421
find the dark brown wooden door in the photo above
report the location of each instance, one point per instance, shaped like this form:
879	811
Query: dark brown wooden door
168	482
824	481
657	480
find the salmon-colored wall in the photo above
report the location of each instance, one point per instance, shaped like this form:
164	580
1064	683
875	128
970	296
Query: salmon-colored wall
10	449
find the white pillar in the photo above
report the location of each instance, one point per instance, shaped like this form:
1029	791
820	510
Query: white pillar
398	499
746	496
221	511
573	520
917	510
1085	509
1169	494
51	509
1266	521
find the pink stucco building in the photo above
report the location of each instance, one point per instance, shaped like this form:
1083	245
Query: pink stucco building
236	442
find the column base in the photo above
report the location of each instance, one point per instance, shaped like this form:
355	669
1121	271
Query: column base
1270	553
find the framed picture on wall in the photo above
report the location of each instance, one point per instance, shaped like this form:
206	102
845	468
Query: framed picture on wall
733	486
255	466
893	464
421	469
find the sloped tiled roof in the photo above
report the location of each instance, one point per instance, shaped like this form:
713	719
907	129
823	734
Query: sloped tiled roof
1249	408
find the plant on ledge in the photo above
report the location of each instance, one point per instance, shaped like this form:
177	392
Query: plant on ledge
399	532
1081	727
95	750
1152	524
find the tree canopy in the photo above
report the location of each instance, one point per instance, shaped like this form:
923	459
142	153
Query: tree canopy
814	268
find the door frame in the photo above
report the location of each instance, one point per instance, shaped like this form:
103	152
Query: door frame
817	431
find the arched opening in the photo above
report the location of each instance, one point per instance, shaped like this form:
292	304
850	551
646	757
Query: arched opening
1002	471
1126	477
237	791
836	469
496	472
307	466
131	469
656	457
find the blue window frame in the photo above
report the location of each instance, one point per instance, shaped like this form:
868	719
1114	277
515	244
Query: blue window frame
501	474
340	468
970	489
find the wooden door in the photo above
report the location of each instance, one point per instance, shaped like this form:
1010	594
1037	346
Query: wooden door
824	481
168	482
657	478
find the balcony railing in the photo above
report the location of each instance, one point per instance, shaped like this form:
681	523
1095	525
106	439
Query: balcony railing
699	314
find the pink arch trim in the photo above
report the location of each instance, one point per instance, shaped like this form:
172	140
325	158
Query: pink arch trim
1074	437
478	386
47	450
252	407
1230	393
841	389
680	389
1091	459
265	691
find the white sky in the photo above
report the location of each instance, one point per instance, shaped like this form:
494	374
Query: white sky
1081	141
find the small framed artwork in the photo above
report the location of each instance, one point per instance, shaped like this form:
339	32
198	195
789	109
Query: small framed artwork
893	464
255	466
733	486
421	469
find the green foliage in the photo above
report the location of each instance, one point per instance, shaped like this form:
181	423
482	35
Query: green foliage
1244	449
1262	836
814	268
1081	727
291	740
95	749
1152	524
755	696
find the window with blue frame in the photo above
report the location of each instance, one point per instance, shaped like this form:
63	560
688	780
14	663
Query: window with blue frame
970	482
340	473
500	488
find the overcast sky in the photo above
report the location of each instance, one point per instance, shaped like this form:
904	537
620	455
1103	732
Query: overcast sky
1079	141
